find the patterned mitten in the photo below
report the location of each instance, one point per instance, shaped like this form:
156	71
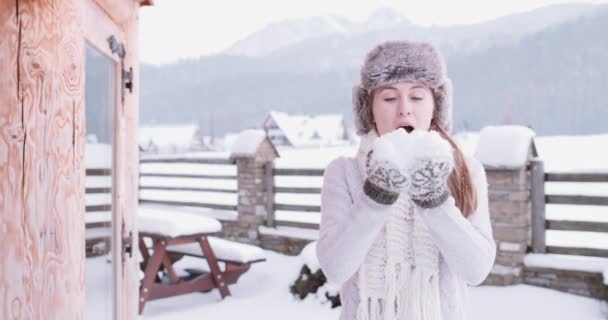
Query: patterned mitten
429	169
385	174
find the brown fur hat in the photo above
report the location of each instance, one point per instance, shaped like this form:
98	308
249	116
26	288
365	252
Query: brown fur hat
396	61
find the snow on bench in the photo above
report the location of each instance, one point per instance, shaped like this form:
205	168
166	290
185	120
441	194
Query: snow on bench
174	223
225	250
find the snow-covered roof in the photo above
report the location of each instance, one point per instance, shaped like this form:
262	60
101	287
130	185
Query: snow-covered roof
303	129
504	146
167	135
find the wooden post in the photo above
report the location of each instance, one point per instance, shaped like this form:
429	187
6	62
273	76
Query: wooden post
42	160
269	186
538	206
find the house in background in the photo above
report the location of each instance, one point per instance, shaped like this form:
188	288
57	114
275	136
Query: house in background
172	139
305	130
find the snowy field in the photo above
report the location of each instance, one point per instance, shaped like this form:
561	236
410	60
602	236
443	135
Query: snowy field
263	293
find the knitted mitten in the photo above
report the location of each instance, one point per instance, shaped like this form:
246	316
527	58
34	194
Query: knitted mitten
385	176
429	168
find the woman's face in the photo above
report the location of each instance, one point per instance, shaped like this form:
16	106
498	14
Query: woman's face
405	104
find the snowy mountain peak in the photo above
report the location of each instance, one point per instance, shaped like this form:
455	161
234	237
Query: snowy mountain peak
284	33
385	17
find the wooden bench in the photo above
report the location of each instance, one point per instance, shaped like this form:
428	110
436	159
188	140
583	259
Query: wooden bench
172	235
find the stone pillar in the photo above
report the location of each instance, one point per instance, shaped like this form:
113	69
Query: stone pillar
506	153
510	210
253	153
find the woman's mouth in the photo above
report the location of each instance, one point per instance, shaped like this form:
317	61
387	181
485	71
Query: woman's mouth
408	129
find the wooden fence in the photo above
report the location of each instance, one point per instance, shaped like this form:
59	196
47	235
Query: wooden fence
270	172
96	228
539	200
98	211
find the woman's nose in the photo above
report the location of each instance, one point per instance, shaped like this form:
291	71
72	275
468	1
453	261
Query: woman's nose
405	108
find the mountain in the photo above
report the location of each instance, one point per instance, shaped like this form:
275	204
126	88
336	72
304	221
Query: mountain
335	51
553	78
279	35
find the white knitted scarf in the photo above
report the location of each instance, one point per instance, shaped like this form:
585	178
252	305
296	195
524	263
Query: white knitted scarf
399	278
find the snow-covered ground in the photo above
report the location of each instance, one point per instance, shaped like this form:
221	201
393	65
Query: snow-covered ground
263	293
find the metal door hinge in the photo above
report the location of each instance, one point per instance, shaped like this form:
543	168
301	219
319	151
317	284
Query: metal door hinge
127	243
126	75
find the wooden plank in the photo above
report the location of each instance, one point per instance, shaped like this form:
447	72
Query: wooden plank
191	204
269	189
120	11
189	160
99	224
190	176
296	224
298	172
127	288
98	208
98	172
15	281
577	225
98	190
590	252
577	200
41	160
297	190
187	189
297	207
538	205
576	177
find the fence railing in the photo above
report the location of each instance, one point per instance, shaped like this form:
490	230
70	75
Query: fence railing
179	179
271	219
540	224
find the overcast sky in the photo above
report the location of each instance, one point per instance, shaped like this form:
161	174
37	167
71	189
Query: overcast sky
174	29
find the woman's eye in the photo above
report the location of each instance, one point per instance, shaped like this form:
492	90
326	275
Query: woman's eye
390	99
417	98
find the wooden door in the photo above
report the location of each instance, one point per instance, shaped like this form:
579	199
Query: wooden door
111	105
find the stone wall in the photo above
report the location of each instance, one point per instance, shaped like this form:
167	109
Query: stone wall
577	282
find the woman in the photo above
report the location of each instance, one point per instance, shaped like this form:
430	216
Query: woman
405	225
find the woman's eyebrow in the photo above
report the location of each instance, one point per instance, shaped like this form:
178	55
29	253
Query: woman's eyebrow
388	88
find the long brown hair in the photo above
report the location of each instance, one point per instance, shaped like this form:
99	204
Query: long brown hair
460	181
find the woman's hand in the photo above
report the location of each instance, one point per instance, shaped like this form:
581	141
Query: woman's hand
429	168
386	176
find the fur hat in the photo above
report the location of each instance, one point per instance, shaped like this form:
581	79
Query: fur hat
396	61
